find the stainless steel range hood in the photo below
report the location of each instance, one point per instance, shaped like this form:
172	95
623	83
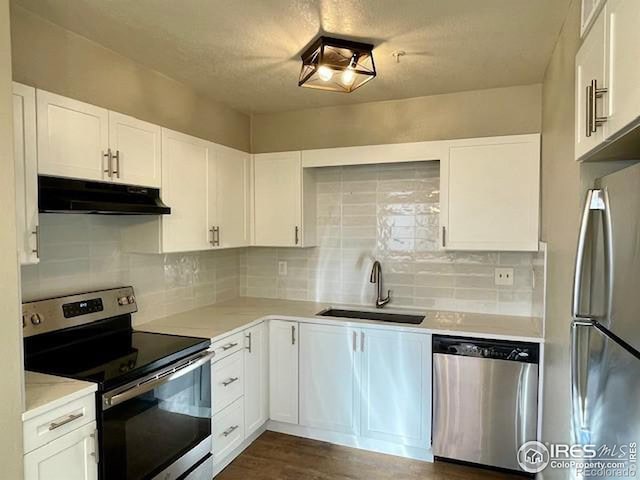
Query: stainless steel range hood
64	195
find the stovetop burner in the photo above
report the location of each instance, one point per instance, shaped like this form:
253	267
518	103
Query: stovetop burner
98	346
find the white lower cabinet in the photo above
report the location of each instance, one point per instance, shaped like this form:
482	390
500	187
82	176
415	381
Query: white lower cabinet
396	387
228	430
256	378
283	371
329	379
72	456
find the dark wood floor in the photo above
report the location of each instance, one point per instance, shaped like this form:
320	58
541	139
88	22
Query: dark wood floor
282	457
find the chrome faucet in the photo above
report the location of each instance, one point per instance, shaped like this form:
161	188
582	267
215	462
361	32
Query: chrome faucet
376	277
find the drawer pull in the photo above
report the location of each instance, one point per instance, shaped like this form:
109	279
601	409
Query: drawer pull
230	430
229	345
226	383
69	419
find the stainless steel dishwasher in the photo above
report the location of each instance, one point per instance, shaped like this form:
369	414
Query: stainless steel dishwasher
485	399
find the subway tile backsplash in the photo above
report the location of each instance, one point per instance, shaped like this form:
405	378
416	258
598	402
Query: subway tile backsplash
80	253
384	212
390	213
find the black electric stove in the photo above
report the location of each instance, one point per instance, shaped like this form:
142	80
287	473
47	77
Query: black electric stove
105	351
153	389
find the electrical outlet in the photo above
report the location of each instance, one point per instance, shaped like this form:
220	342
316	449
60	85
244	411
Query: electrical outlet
282	269
504	277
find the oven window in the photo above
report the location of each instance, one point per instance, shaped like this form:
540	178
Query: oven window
143	436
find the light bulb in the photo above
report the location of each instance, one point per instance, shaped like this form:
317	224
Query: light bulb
325	73
348	76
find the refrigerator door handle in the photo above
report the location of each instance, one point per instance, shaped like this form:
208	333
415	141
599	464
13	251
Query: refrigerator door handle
577	377
596	200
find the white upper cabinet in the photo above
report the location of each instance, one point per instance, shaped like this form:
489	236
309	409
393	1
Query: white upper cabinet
185	179
490	191
607	79
396	380
26	170
135	149
256	378
329	378
229	197
623	67
73	138
591	80
282	217
283	371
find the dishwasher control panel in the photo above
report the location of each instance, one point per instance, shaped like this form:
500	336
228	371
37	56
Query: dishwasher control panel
490	349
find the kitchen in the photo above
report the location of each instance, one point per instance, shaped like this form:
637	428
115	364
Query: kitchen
220	273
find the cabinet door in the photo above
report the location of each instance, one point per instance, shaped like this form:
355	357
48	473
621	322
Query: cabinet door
73	138
283	371
590	66
277	199
136	148
396	387
185	165
256	371
624	69
329	397
26	170
70	457
492	196
230	214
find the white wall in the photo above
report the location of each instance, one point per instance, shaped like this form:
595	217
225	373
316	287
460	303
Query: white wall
11	380
390	213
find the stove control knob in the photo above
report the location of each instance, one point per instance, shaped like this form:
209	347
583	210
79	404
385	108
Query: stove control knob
123	301
131	299
36	319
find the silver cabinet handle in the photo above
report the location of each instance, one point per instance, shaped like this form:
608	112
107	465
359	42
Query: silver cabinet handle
593	120
212	231
230	430
36	250
216	238
293	334
362	342
69	419
355	335
444	236
228	382
229	345
109	158
248	337
96	446
297	235
117	158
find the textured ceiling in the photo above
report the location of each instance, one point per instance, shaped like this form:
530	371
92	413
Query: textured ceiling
245	53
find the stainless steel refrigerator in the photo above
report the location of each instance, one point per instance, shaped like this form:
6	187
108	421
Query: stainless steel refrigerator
605	337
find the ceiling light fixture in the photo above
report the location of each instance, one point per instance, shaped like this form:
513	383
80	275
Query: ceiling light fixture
337	65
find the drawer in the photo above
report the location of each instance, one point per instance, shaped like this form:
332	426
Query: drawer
58	421
227	381
228	346
228	429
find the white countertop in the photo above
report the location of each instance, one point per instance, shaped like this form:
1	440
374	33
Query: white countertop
45	392
222	319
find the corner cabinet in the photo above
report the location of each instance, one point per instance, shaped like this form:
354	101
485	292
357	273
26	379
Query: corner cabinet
207	187
283	371
284	201
26	171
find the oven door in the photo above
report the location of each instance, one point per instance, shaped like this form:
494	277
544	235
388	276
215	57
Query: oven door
160	425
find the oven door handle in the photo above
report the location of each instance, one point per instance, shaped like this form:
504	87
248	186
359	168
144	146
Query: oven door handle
111	399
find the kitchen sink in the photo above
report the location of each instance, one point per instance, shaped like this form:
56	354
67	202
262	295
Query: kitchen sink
380	316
